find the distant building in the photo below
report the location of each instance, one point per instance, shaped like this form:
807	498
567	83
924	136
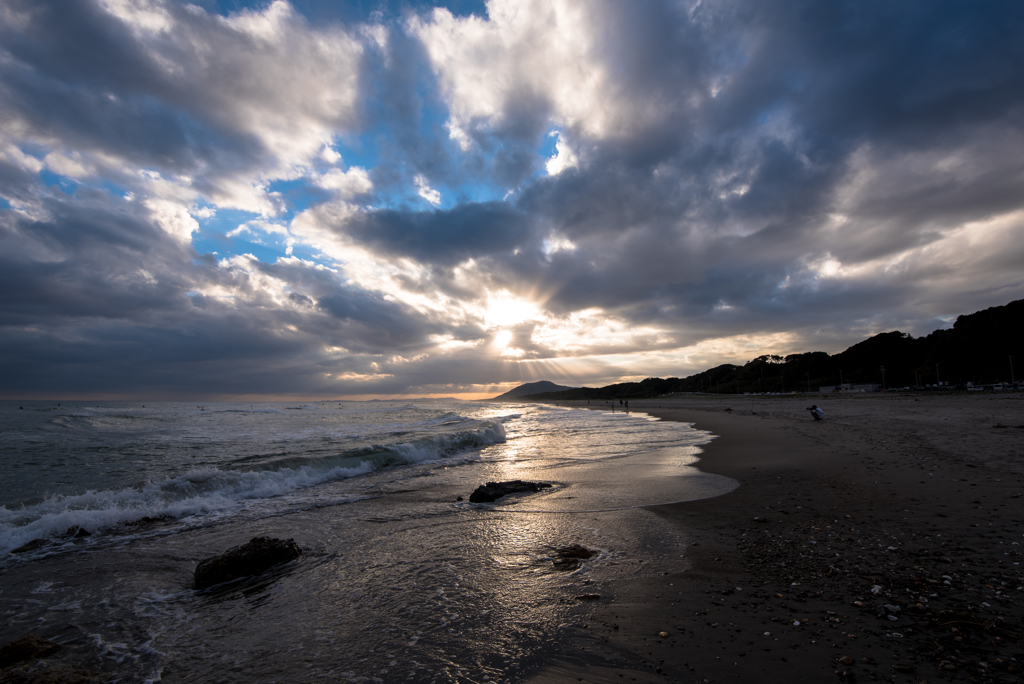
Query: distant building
851	388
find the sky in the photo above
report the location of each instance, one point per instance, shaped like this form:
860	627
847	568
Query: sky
244	200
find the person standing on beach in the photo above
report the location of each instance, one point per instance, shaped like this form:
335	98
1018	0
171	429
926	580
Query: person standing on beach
816	412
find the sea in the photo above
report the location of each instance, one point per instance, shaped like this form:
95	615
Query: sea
107	507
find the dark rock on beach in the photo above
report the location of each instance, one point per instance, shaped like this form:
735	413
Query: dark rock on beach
26	660
260	554
29	647
575	551
31	546
146	520
495	490
569	558
57	674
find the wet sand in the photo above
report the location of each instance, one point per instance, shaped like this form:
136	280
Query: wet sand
883	543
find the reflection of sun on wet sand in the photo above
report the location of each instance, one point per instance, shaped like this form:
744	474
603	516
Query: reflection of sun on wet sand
881	543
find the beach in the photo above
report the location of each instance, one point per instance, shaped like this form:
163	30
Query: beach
882	543
401	576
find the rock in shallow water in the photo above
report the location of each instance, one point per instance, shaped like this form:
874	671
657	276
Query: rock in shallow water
495	490
28	647
261	553
31	546
569	558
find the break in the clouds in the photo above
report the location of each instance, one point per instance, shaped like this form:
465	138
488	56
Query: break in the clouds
278	199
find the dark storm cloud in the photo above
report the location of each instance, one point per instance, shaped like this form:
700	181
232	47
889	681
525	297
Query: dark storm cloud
88	81
83	260
445	237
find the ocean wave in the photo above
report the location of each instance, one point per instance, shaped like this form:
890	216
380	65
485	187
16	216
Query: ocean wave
211	490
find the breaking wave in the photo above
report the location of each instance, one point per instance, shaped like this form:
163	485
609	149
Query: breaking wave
213	490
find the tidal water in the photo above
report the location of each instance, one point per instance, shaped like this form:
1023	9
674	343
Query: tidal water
107	508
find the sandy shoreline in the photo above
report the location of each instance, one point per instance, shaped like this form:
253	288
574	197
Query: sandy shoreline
918	498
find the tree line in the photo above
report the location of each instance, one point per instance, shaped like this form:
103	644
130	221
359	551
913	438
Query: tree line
980	348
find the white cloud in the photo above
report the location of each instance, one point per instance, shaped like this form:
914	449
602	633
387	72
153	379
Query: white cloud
142	16
549	51
347	184
330	155
426	192
554	243
264	73
15	156
251	227
71	166
593	329
564	157
172	218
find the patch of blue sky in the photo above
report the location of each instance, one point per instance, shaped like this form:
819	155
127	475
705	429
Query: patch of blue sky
51	179
474	192
226	220
264	249
268	254
548	144
359	151
349	11
213	238
267	246
4	204
113	188
303	251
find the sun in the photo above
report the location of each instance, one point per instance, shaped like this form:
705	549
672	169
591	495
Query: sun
502	339
505	309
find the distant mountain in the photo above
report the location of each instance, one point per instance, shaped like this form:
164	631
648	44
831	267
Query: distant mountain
980	347
532	388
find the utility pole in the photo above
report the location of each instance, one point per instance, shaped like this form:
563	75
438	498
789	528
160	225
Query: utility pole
883	378
808	382
937	380
840	381
1012	379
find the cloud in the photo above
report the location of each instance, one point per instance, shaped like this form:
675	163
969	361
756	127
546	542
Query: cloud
173	218
221	103
424	190
347	184
563	159
203	203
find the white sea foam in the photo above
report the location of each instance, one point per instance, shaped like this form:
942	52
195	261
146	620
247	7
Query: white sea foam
211	490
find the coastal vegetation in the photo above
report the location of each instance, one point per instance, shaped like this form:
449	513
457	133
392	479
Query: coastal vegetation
980	348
